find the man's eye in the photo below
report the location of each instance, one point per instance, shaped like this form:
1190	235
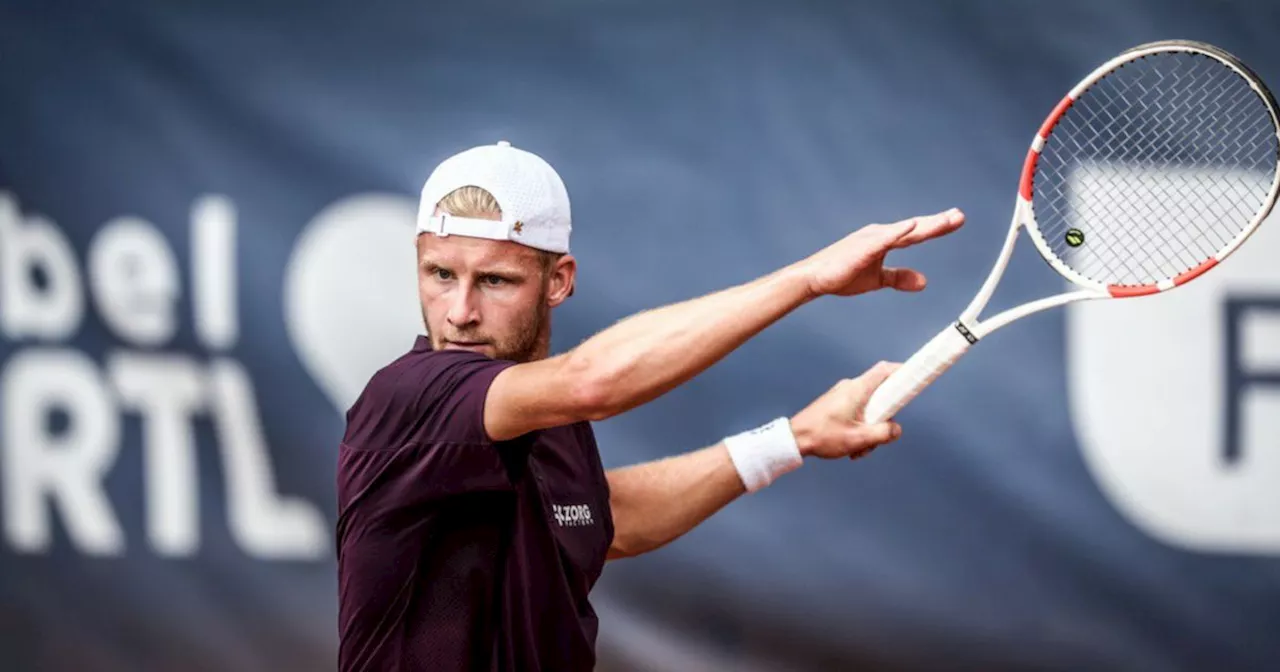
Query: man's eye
493	280
442	274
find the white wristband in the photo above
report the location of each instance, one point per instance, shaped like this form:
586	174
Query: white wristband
764	453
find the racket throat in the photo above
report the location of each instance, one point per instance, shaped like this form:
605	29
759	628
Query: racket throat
965	331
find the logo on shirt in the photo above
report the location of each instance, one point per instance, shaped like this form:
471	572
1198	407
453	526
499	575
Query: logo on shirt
573	515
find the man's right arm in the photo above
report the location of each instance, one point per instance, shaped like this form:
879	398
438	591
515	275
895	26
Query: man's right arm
638	359
646	355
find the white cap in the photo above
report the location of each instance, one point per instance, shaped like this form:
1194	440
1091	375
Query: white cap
531	195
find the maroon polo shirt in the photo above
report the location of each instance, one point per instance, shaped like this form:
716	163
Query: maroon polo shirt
456	552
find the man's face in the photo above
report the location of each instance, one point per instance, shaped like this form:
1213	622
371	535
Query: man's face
489	296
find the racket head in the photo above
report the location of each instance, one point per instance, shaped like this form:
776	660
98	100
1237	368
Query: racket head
1153	169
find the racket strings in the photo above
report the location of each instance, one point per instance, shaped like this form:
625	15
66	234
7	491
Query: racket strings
1141	133
1136	133
1161	164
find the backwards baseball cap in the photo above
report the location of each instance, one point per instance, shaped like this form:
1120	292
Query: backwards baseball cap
531	195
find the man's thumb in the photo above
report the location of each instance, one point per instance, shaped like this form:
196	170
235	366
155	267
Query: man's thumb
874	377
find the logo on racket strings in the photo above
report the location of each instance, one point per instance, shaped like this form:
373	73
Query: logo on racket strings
1075	237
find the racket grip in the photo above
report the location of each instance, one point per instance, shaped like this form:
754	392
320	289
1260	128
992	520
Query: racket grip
915	374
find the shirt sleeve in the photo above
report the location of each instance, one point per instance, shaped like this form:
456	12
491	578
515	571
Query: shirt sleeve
430	397
418	432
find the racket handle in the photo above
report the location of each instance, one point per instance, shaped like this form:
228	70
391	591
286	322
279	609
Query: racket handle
915	374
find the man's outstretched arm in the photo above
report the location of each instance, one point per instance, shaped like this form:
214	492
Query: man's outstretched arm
657	502
650	353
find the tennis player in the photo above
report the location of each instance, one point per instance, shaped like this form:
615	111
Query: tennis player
474	513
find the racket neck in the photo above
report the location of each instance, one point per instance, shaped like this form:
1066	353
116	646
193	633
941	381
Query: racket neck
969	318
1019	312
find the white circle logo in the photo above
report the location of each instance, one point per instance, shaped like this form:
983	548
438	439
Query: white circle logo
1176	403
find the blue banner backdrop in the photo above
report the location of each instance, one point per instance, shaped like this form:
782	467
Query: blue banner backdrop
205	216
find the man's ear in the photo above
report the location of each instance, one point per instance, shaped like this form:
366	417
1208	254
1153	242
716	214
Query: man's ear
564	276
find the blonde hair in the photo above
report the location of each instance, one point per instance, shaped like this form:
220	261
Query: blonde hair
472	201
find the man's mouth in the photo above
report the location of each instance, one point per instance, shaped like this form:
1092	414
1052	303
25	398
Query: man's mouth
468	345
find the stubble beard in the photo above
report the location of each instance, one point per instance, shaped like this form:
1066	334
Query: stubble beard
529	340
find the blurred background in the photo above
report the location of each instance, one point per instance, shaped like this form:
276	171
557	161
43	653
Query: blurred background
205	249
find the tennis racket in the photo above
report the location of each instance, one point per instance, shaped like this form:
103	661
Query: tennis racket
1150	172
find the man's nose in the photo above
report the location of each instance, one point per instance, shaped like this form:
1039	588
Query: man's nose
463	309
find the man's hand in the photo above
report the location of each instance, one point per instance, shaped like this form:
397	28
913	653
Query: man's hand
832	426
657	502
855	263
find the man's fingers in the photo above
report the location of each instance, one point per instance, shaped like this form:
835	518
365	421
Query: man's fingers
866	437
932	226
902	279
874	241
892	235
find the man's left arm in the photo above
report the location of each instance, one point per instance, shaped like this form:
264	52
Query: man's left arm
657	502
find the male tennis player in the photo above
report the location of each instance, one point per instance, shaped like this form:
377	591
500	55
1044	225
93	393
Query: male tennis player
474	514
